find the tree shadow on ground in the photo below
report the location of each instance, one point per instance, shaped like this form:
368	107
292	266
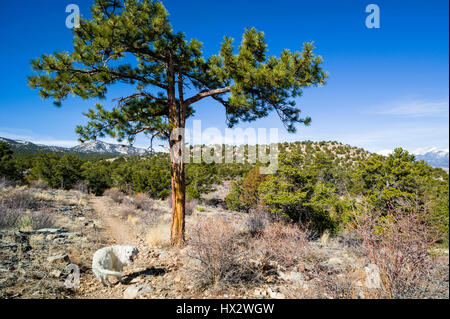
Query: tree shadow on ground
152	271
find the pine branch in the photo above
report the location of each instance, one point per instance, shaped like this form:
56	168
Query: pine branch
203	94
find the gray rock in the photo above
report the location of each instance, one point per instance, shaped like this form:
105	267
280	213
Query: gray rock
335	261
163	254
372	278
136	280
58	258
275	295
51	231
73	235
55	273
50	237
292	276
135	291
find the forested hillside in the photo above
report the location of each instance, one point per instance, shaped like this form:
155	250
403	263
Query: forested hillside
321	184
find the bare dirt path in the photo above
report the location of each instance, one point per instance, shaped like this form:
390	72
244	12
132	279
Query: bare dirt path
117	229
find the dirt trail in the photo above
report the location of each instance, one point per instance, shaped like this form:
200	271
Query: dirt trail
121	233
117	229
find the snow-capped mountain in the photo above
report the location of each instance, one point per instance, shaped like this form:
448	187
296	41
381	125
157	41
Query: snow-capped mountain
106	148
95	147
434	156
24	147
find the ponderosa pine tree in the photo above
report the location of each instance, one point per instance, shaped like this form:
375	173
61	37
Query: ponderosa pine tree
132	42
8	168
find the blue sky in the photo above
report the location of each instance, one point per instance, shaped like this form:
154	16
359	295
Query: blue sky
387	88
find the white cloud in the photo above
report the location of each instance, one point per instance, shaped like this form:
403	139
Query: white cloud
424	150
29	136
385	152
414	108
61	143
375	139
417	151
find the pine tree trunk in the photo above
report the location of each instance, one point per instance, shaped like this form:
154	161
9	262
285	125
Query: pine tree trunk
178	199
177	118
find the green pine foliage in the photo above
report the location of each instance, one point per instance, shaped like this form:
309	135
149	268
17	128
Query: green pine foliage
9	167
146	174
303	190
97	175
133	42
58	171
322	185
386	181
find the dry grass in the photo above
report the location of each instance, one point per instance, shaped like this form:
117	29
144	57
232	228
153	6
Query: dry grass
71	197
282	244
158	235
255	222
227	257
8	218
133	220
20	199
39	184
222	259
399	244
42	219
142	201
191	206
4	182
115	194
125	211
21	209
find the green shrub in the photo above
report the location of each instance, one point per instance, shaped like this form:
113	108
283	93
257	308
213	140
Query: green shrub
233	200
59	172
8	166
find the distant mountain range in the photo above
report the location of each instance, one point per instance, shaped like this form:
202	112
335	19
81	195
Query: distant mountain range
106	148
96	147
434	156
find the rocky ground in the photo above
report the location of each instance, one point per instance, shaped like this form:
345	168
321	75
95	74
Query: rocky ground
37	263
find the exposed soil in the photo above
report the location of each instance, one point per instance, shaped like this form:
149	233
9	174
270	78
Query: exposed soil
34	264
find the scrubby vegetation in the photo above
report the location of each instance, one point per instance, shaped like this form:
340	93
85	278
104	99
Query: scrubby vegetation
323	187
400	243
147	174
387	258
24	210
385	217
317	184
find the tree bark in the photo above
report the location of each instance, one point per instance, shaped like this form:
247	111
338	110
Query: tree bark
177	116
178	201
